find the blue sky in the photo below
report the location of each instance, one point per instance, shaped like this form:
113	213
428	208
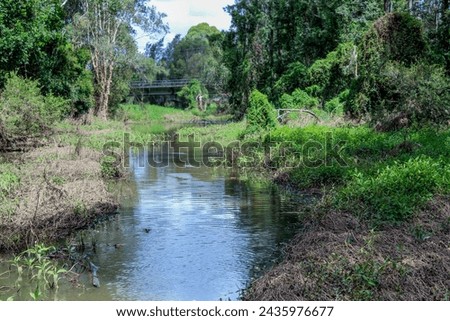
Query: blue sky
183	14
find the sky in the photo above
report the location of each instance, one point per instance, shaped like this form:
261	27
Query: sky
183	14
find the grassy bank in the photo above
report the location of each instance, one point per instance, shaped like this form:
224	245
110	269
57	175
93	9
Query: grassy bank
48	193
380	227
59	186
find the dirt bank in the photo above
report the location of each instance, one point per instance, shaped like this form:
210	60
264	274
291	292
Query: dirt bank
61	190
338	257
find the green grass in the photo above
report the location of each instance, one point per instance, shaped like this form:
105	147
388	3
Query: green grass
396	191
384	177
152	113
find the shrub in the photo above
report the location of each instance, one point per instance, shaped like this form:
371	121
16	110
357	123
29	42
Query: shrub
403	96
299	100
9	181
260	114
397	86
334	106
295	77
24	111
337	104
331	75
396	191
110	168
82	94
190	93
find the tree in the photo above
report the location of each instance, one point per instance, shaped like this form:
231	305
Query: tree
155	50
398	87
104	26
198	55
33	44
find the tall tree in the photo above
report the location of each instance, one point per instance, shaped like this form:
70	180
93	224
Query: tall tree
104	27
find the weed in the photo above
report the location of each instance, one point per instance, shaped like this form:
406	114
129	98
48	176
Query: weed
80	209
58	180
109	168
395	192
35	266
420	233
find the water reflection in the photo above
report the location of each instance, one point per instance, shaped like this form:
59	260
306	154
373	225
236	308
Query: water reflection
187	234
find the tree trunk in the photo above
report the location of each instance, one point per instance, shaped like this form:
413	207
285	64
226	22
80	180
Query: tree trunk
388	6
410	6
104	68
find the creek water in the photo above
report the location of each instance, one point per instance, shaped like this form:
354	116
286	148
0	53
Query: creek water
183	233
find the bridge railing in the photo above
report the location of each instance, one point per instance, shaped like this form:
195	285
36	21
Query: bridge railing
169	83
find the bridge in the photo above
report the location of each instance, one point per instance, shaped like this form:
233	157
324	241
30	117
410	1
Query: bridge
158	84
158	91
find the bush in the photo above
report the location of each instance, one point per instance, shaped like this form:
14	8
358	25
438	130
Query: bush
403	96
296	76
260	114
331	75
396	191
299	100
397	86
110	168
190	93
82	92
24	111
9	182
337	104
334	106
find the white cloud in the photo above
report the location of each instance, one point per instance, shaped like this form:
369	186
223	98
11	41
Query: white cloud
183	14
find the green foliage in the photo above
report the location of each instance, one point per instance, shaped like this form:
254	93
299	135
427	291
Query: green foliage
399	37
296	76
330	76
25	111
299	100
261	114
34	45
191	92
109	168
81	84
151	113
384	178
395	192
403	96
336	105
198	56
35	266
8	181
398	87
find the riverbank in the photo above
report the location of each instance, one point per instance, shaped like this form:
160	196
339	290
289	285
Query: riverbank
59	183
379	229
50	192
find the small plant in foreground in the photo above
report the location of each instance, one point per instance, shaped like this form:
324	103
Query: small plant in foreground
36	266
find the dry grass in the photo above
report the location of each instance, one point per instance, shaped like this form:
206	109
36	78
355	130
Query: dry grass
339	258
60	191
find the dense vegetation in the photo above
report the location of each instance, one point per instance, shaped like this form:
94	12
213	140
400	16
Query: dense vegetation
374	73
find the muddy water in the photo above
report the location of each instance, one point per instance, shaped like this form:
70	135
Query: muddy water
183	233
